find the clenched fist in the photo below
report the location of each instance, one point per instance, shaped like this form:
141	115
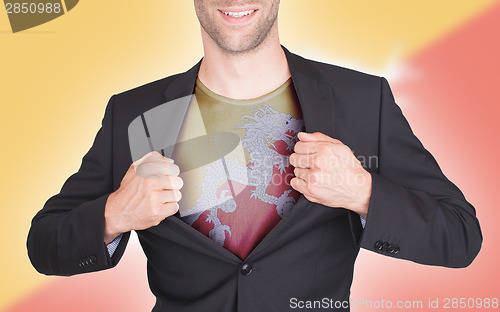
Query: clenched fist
148	193
328	173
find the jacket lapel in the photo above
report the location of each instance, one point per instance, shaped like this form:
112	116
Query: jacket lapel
316	99
183	84
318	110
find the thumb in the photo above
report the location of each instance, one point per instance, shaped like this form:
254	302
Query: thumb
316	137
152	156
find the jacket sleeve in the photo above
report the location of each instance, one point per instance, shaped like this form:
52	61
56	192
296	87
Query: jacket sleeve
415	212
67	236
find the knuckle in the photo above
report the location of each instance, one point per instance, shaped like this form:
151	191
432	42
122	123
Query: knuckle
141	170
158	220
172	169
317	161
177	195
311	198
325	148
177	169
172	208
346	150
298	146
154	156
179	182
143	166
294	161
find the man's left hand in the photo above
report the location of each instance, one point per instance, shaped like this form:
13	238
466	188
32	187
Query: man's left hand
328	173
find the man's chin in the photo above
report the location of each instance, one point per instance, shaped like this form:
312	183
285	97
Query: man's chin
239	46
239	50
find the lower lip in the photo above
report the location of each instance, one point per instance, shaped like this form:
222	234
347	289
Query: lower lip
237	20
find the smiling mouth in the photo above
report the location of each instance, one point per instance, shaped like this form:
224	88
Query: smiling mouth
239	14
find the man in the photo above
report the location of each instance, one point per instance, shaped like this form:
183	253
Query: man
259	245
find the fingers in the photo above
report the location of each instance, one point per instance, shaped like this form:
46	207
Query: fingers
314	147
316	137
303	147
302	161
303	174
152	165
171	196
165	183
311	176
171	183
171	208
157	169
298	184
152	156
301	186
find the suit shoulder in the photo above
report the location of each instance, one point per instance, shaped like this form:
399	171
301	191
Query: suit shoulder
149	90
338	74
131	103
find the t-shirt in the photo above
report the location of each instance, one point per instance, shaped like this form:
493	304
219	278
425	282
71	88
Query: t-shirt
237	174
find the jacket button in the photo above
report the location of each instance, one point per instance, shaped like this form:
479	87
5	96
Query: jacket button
385	245
378	245
390	249
83	263
93	260
395	249
246	269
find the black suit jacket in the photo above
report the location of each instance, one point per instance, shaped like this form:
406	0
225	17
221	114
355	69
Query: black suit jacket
415	212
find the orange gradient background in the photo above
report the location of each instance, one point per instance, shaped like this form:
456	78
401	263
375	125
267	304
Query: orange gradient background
440	57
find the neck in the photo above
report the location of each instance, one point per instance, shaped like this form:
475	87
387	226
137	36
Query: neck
246	75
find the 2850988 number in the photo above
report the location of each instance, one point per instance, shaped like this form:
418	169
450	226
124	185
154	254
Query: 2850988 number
469	303
33	8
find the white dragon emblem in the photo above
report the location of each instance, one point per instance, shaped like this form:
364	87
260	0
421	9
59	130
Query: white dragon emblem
262	129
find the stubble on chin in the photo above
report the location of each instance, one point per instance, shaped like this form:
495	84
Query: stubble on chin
247	44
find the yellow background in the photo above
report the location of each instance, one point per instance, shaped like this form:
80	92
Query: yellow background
57	78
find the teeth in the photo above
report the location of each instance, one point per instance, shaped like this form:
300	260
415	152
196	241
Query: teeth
239	14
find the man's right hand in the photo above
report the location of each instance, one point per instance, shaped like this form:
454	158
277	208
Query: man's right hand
148	193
